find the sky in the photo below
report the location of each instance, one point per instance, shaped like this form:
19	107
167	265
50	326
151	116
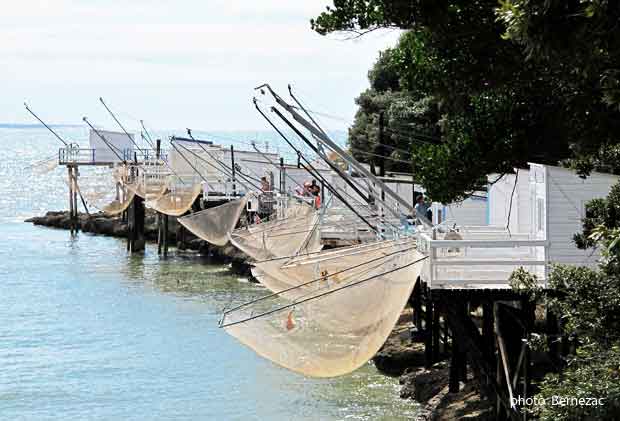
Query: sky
175	64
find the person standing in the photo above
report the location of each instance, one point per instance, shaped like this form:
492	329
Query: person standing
422	208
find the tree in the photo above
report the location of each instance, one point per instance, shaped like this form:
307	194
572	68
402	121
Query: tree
490	103
585	36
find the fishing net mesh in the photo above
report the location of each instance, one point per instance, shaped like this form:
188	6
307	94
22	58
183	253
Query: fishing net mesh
338	324
148	182
178	199
288	277
45	166
102	188
280	238
215	225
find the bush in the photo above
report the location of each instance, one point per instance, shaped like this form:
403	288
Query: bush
594	372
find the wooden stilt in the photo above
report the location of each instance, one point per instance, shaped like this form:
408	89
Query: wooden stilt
454	384
70	179
428	330
446	335
159	232
488	336
436	333
75	201
135	225
165	235
417	306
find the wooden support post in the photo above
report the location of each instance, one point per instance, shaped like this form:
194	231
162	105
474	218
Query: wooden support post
488	336
75	202
458	361
165	235
180	236
454	384
159	232
465	334
70	180
139	241
135	228
445	335
416	304
428	330
436	333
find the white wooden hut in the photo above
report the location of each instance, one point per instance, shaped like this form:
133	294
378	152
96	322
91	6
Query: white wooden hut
548	204
471	211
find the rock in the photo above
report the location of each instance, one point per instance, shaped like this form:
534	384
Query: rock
422	384
399	352
119	230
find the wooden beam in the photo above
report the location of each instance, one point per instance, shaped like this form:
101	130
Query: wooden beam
465	333
428	331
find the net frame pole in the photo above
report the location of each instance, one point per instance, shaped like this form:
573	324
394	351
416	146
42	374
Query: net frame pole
323	138
318	175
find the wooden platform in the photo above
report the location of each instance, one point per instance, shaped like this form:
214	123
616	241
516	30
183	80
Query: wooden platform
480	258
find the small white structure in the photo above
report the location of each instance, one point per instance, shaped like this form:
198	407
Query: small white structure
114	149
548	204
532	216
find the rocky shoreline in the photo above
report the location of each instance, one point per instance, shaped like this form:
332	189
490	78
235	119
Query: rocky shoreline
399	357
403	357
101	224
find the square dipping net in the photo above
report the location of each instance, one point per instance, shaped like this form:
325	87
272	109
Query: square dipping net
298	232
337	321
178	198
215	225
103	189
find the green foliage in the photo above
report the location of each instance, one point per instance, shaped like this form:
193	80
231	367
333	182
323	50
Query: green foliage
488	87
583	33
589	303
602	217
361	16
522	280
593	373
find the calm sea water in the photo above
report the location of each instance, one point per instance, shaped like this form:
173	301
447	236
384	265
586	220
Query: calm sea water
89	332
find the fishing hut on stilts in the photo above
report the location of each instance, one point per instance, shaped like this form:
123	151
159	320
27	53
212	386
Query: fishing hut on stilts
465	307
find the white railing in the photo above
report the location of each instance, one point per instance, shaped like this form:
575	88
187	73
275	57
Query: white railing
480	258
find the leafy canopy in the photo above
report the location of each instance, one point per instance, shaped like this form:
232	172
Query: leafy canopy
472	87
